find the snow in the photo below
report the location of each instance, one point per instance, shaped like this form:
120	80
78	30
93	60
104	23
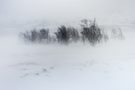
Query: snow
107	66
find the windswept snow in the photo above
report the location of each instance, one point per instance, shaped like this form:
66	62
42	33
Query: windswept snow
107	66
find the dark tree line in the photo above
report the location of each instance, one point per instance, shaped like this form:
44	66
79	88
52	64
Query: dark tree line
90	32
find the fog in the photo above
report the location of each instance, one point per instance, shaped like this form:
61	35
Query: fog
22	11
109	65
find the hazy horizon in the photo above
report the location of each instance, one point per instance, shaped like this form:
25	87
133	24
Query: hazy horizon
22	11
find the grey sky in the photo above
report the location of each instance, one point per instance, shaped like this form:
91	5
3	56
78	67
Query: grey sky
25	10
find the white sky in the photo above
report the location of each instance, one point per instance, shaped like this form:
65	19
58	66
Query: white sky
55	10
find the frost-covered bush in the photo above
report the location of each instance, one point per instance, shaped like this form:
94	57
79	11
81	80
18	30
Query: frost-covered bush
105	36
117	33
62	34
91	32
66	34
73	34
35	35
30	35
43	34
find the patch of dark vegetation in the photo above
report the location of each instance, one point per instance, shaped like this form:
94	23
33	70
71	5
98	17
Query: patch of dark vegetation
89	32
67	34
36	35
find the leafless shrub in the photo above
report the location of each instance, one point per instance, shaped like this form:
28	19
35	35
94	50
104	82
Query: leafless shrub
73	34
91	32
36	36
62	34
117	33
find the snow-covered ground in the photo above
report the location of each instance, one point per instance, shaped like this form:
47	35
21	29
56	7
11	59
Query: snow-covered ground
107	66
